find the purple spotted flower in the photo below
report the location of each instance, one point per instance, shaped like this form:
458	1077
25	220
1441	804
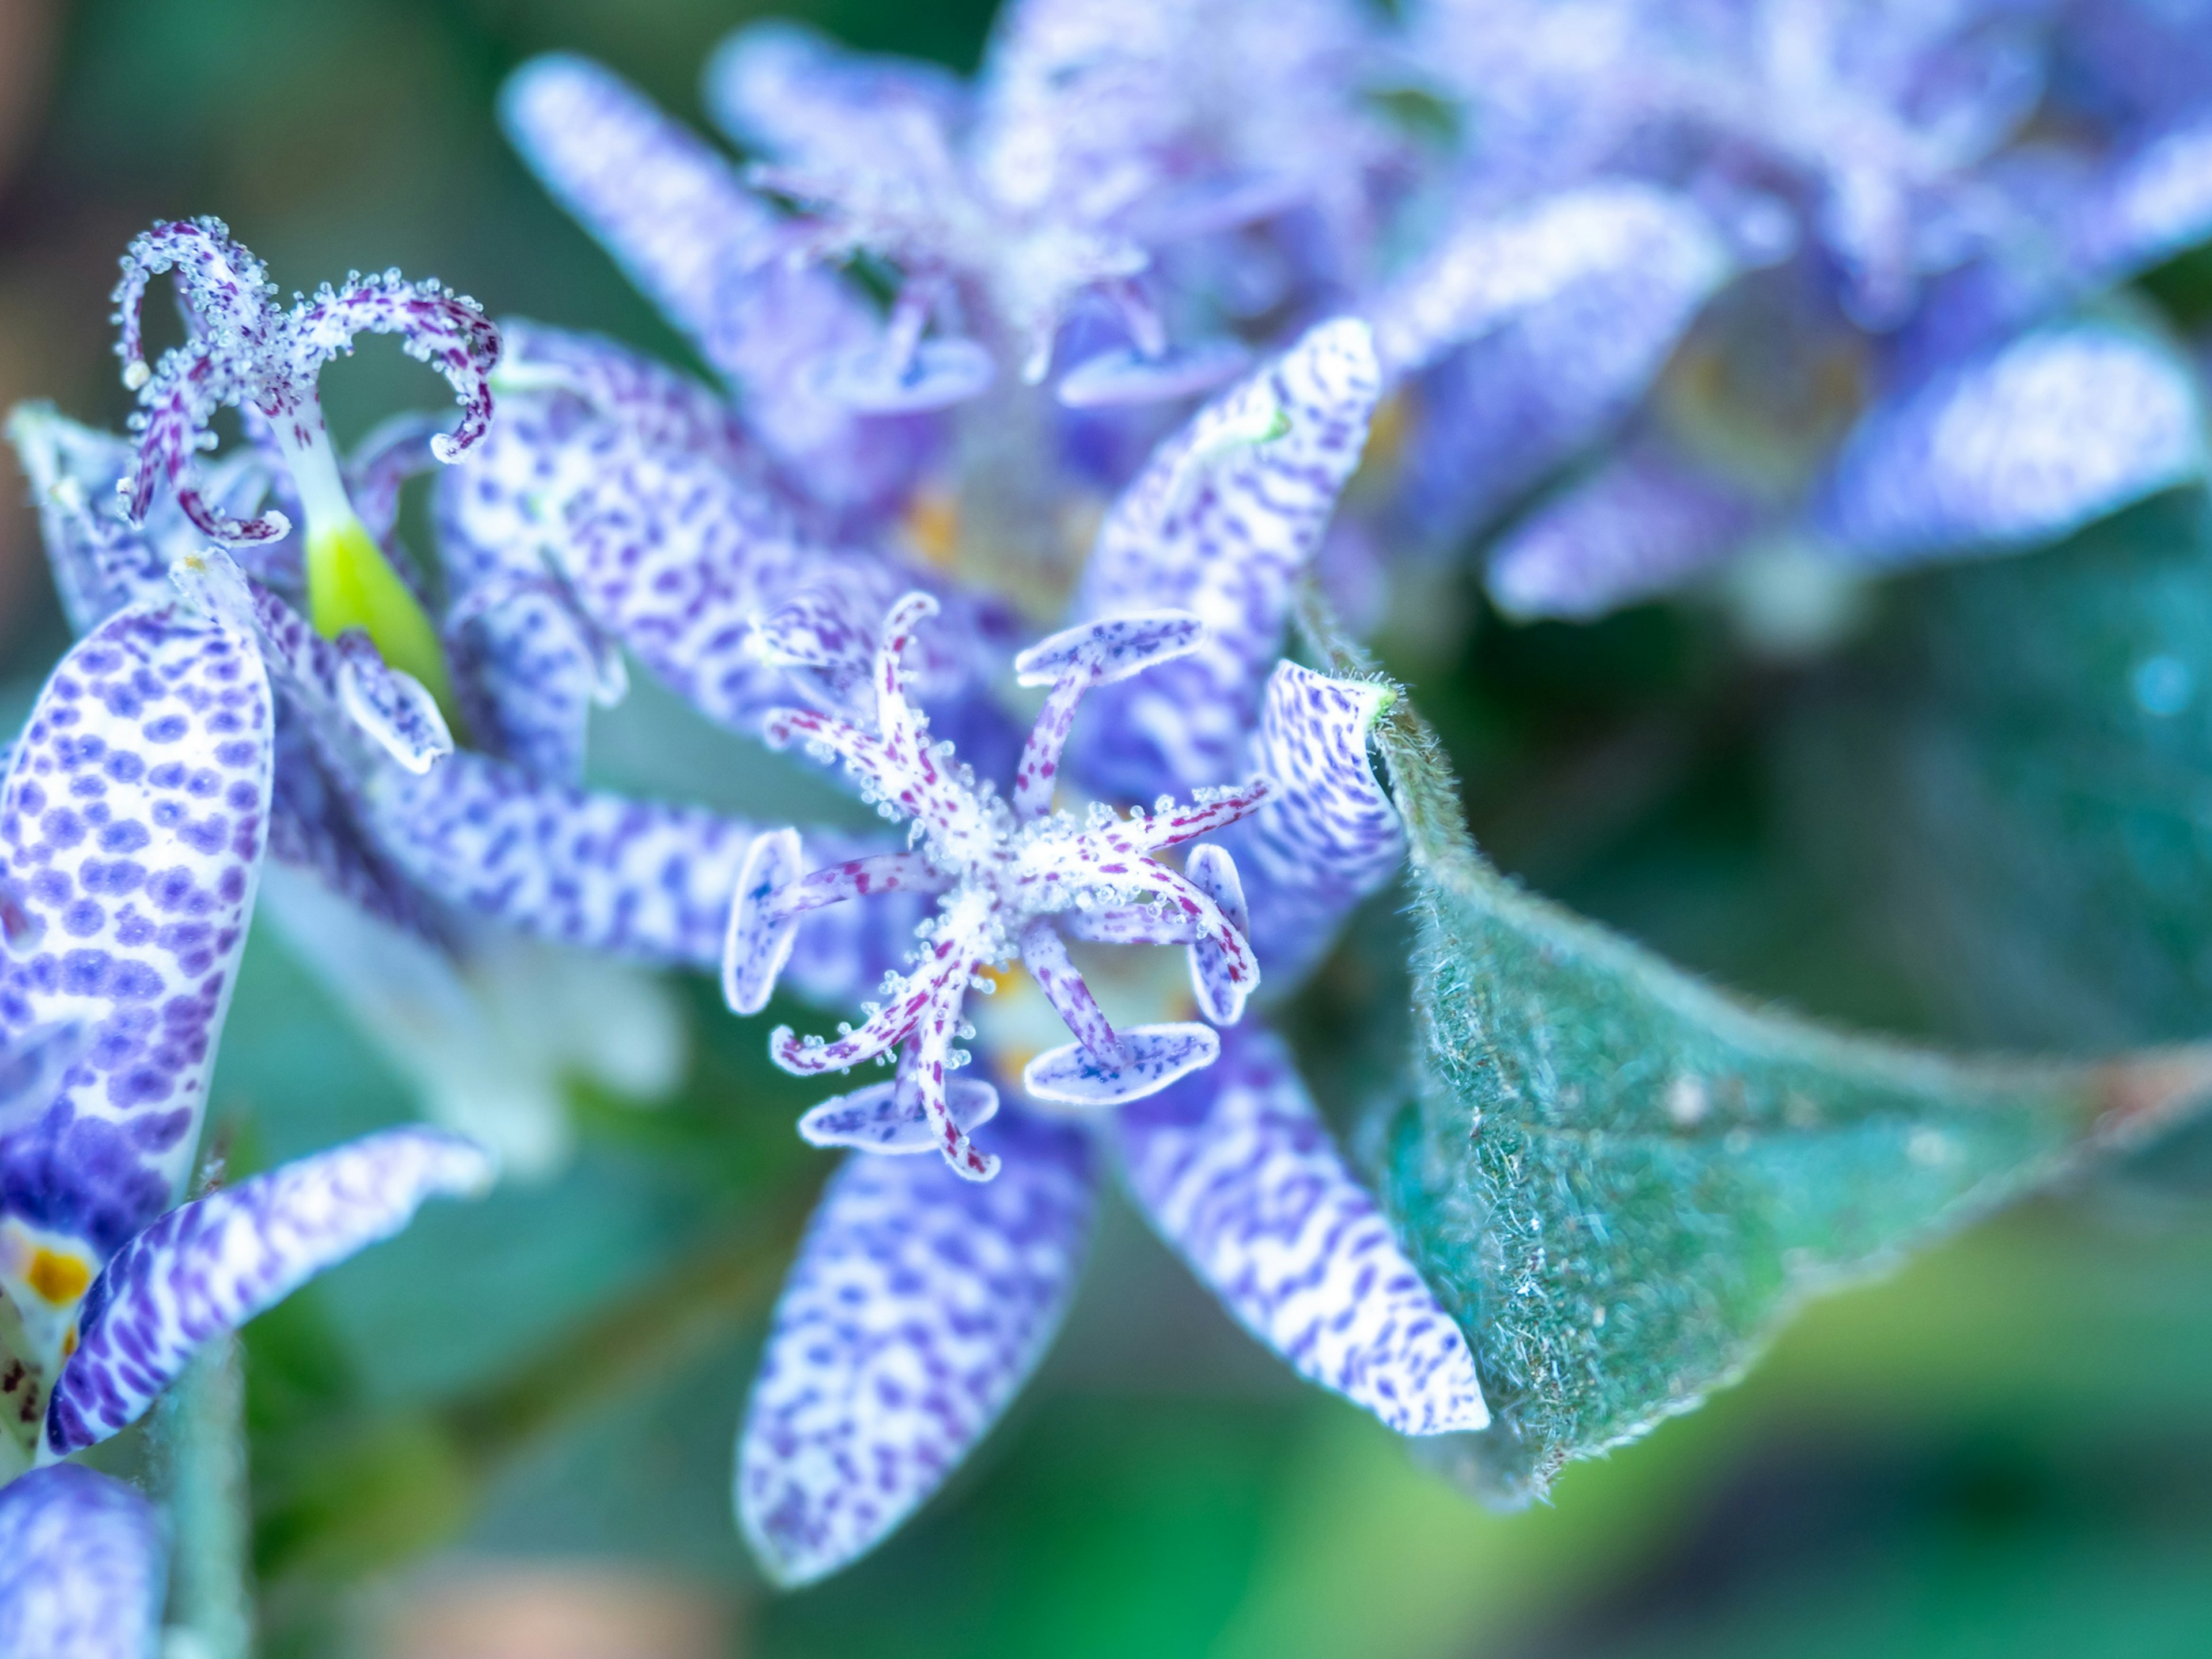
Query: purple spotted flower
363	679
1002	869
133	823
1893	220
920	1300
1068	192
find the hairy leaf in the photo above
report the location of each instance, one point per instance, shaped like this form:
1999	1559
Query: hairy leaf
1620	1180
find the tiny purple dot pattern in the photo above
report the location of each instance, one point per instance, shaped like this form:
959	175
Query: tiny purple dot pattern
525	655
642	879
918	1304
709	253
208	1267
1220	524
2023	445
1495	268
83	1567
1329	835
1236	1170
133	823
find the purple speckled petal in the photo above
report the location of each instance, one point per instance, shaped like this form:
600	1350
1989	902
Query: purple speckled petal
761	933
1639	525
342	687
2047	432
1214	872
1542	381
679	558
707	250
669	208
209	1266
101	560
1221	521
316	826
1612	234
634	879
918	1305
883	1118
1075	1074
1328	834
785	90
83	1567
132	827
1236	1171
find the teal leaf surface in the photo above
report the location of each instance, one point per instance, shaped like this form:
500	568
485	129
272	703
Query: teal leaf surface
1621	1181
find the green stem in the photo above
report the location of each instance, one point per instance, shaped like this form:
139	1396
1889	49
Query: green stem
210	1578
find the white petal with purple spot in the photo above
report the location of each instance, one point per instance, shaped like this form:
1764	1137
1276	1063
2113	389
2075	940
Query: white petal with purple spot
209	1266
877	1119
1236	1171
918	1305
81	1567
1075	1074
1220	523
2050	431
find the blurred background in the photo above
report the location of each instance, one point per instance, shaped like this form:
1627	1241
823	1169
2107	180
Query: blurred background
508	1432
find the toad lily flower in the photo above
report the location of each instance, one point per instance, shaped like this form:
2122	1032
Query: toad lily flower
1004	870
132	825
1053	198
920	1300
460	1012
243	349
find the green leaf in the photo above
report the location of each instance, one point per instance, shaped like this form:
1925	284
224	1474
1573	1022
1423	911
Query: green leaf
2018	773
1620	1180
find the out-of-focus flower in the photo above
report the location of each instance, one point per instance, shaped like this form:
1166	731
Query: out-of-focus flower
1924	197
1098	141
920	1301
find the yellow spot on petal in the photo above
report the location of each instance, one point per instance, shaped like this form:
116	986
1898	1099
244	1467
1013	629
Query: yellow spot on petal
68	1343
61	1279
350	584
931	526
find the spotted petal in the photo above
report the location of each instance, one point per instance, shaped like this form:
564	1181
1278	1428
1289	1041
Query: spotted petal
708	251
1545	378
636	878
1607	235
132	826
33	1067
918	1305
1075	1074
1641	523
209	1266
2049	432
101	560
882	1118
761	935
1236	1170
1221	521
1328	835
81	1567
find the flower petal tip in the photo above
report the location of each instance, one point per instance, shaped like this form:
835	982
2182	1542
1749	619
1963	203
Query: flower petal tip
1072	1075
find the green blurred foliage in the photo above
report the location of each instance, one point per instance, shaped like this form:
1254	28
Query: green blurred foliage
2003	1450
